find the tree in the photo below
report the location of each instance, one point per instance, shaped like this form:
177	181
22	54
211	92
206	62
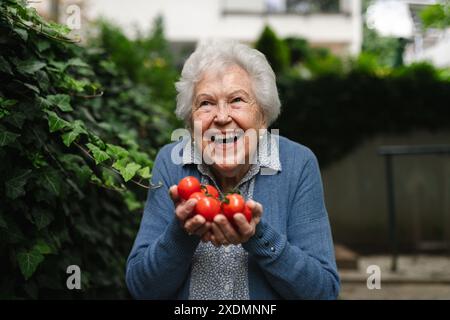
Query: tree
275	50
436	16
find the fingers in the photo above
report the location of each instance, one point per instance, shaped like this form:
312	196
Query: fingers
207	235
184	210
227	229
173	192
201	230
257	210
245	229
217	238
193	224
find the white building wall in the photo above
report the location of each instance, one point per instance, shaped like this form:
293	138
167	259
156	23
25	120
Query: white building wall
193	20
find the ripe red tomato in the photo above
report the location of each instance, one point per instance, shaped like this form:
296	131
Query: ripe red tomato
197	195
187	186
208	207
209	189
247	213
232	204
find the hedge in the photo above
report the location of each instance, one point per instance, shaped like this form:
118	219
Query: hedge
333	114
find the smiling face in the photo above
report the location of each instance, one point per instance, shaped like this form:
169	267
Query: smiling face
225	109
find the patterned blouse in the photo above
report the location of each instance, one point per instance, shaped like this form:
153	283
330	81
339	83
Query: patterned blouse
221	273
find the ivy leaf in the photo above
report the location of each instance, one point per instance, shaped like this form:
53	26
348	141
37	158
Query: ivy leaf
116	152
42	45
31	87
42	247
56	123
145	173
22	33
42	219
12	231
16	119
77	62
29	66
15	185
62	101
131	201
28	262
99	155
7	102
128	171
77	129
51	181
7	137
4	66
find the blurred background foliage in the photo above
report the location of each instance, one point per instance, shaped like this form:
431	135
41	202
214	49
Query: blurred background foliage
81	124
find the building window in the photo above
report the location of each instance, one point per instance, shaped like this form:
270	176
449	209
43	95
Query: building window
312	6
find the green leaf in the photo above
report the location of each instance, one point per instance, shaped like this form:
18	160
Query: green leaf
99	155
145	173
131	201
5	103
129	171
116	152
29	66
4	66
51	181
69	137
95	179
56	123
43	103
42	247
15	185
12	232
22	33
16	119
42	218
7	137
62	101
77	62
31	87
77	129
42	45
28	262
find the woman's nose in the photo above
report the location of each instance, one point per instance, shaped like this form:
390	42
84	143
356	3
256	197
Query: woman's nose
223	115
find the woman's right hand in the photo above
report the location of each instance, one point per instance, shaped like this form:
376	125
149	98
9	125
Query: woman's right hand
183	211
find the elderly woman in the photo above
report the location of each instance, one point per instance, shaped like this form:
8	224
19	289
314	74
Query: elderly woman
286	250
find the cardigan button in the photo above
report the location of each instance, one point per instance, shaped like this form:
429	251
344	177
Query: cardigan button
272	249
260	236
266	243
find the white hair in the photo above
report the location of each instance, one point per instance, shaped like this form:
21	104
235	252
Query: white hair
222	53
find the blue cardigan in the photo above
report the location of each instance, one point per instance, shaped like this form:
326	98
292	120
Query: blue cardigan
291	255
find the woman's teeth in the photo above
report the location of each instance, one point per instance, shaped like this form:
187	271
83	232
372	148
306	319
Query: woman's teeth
224	139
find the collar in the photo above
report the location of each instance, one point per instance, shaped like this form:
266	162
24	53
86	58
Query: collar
268	155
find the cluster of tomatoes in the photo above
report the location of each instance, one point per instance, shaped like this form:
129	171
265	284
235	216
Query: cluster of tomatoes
209	203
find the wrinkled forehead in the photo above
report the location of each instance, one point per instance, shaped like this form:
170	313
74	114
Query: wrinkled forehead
225	78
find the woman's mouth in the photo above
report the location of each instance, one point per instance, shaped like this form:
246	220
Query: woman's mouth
227	139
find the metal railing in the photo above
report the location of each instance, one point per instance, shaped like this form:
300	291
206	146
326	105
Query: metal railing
389	152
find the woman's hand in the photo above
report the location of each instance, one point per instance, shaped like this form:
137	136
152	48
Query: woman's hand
224	233
183	210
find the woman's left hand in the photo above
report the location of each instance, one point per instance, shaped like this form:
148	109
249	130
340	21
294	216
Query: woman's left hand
223	232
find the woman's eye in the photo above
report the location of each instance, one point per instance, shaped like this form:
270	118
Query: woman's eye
238	99
204	103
